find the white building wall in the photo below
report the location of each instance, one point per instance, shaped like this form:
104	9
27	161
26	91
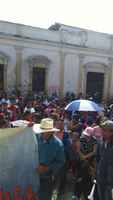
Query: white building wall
54	76
98	40
95	59
94	48
87	38
71	71
20	30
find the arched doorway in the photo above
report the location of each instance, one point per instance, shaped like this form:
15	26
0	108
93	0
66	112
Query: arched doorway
38	73
1	76
39	79
95	78
3	72
95	85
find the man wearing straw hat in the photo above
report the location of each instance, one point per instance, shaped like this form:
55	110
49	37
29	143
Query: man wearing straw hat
105	162
51	156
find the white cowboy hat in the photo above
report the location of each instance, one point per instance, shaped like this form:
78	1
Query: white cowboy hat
46	125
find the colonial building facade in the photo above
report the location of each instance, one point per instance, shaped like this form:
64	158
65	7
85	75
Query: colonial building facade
60	59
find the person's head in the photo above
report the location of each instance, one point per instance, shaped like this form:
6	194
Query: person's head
88	132
45	128
75	118
98	120
4	105
29	104
27	116
60	124
89	122
67	115
107	130
3	121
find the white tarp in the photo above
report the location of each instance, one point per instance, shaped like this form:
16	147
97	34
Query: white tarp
18	159
19	123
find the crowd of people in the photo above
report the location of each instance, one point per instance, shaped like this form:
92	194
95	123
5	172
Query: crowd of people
80	142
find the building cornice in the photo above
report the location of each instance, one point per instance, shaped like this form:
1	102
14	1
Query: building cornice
74	49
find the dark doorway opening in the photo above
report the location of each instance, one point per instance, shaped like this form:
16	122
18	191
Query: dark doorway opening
38	79
1	77
95	85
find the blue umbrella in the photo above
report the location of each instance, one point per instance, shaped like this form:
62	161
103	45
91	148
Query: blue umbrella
83	105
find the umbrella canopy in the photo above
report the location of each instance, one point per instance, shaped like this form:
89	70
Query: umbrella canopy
83	105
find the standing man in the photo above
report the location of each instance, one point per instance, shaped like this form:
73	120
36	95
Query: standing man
51	156
105	162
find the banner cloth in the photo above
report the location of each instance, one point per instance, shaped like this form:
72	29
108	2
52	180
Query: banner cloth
18	159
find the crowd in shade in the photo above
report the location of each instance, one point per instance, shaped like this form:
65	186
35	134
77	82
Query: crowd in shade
80	133
33	107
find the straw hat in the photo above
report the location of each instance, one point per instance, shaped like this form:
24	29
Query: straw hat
46	125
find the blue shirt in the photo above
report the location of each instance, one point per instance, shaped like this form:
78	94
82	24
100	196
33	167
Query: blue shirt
51	153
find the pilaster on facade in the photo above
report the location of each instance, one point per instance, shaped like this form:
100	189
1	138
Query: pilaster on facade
111	43
105	88
110	72
5	75
62	70
81	74
19	52
30	76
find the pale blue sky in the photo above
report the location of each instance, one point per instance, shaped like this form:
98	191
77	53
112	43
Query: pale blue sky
96	15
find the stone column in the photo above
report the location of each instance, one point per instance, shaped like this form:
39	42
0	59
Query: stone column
46	78
106	83
30	75
84	79
61	75
5	75
18	66
81	74
110	71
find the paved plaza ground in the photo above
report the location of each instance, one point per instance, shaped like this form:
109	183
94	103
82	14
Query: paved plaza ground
68	194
